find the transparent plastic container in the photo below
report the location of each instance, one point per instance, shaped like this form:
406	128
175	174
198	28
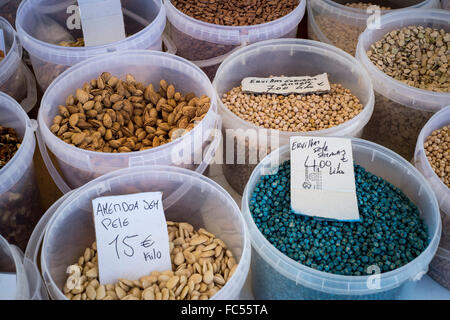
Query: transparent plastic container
400	110
334	23
207	44
19	278
194	150
43	24
293	57
16	79
276	276
187	197
440	266
19	194
445	4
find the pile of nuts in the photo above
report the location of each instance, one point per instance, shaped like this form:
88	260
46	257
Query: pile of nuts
201	266
365	5
294	112
236	12
416	55
75	43
9	144
437	150
111	115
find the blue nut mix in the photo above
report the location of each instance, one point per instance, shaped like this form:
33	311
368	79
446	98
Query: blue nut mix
390	232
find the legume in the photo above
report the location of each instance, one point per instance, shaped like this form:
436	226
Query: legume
294	112
365	5
415	55
201	265
236	12
9	144
437	150
389	235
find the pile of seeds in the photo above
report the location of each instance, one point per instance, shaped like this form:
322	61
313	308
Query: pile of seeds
236	12
294	112
111	115
437	150
75	43
201	266
389	235
9	144
364	5
415	55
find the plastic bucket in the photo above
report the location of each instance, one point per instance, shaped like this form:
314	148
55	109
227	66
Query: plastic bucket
19	278
202	202
440	266
42	24
334	23
16	79
275	276
400	111
19	194
207	44
294	57
79	166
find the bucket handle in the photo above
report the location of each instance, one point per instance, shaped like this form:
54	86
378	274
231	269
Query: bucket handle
30	101
57	178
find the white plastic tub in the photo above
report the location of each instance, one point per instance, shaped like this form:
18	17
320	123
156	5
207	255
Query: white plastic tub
187	197
19	194
42	24
208	44
16	79
440	266
400	110
291	57
275	276
79	166
334	23
19	277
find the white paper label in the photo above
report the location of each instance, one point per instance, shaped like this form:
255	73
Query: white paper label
322	178
7	286
132	239
2	42
287	85
102	21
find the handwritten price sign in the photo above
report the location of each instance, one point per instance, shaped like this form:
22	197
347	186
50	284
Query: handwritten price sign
323	179
132	239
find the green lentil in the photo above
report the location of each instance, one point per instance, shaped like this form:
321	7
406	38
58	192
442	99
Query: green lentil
390	232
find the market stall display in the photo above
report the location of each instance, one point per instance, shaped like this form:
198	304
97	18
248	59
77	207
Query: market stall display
43	24
275	275
207	41
291	57
79	164
187	197
432	159
402	107
340	22
16	79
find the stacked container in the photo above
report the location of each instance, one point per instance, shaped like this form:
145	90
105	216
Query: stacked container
19	278
207	44
43	24
19	194
16	79
400	110
187	197
334	23
194	150
287	57
440	266
276	276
